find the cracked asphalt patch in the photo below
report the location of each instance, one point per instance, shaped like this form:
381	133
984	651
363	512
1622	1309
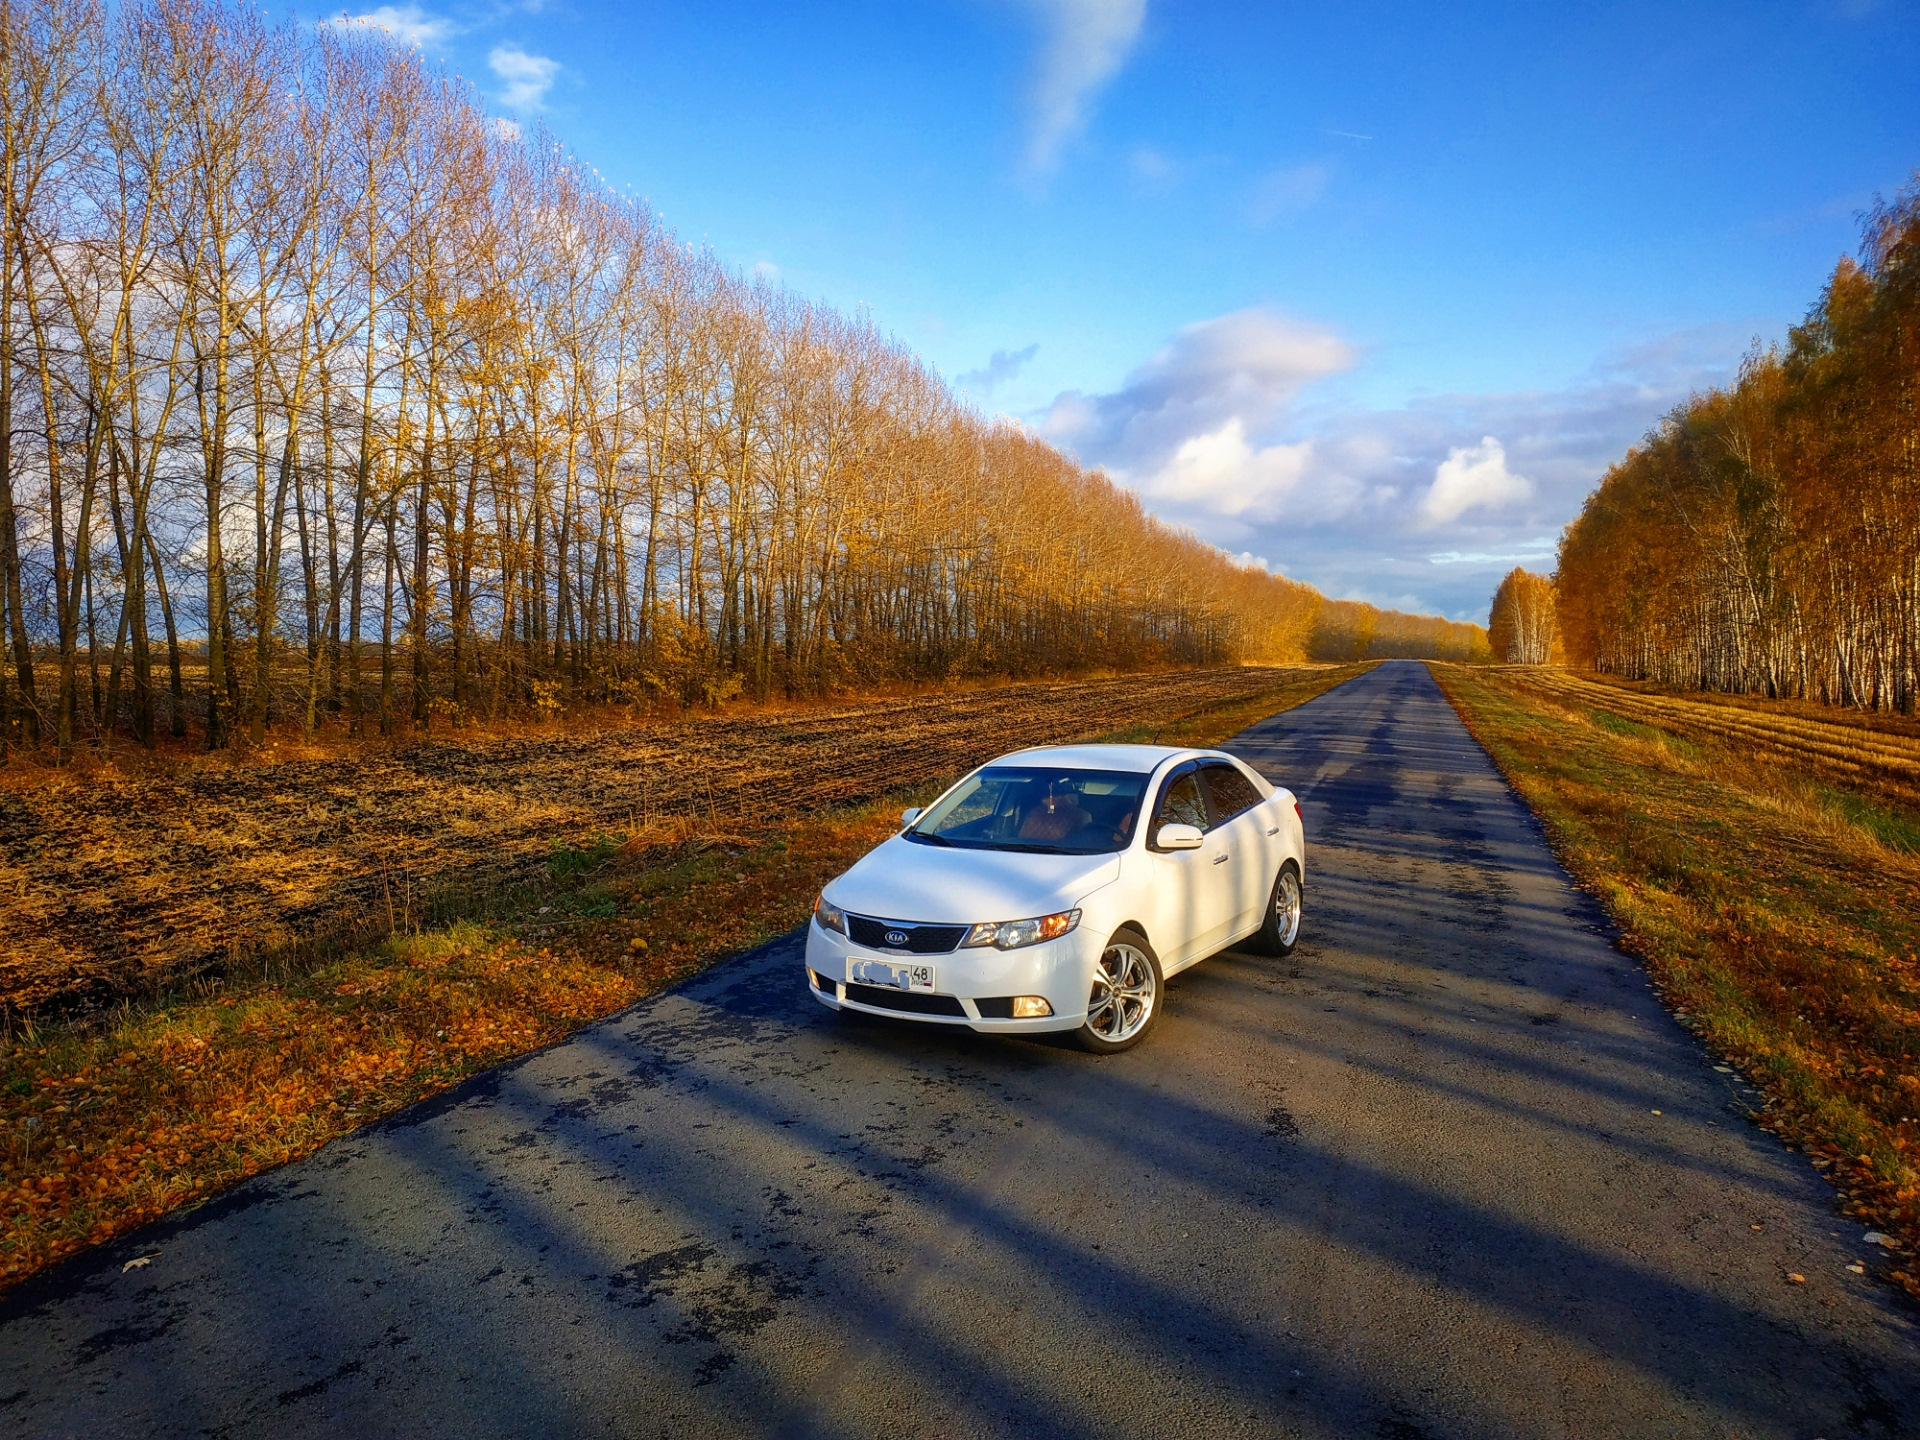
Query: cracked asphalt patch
1406	1183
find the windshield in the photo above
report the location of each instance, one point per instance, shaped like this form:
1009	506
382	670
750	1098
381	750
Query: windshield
1048	812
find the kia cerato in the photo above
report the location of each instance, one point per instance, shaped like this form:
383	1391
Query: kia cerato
1057	889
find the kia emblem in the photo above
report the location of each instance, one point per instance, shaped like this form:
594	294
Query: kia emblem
896	938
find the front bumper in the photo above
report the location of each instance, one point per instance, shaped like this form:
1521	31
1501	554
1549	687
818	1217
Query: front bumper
1060	970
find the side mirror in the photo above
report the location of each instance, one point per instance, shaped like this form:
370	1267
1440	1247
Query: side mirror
909	815
1179	837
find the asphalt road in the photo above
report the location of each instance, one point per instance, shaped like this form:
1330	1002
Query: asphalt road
1449	1171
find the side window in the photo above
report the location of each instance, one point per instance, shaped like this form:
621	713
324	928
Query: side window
1231	792
1181	803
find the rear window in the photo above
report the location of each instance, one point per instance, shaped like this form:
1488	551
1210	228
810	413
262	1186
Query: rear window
1047	812
1181	804
1231	791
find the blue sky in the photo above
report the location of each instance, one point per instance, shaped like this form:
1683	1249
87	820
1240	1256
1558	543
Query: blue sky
1371	292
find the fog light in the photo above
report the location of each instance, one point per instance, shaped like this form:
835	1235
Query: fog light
1030	1007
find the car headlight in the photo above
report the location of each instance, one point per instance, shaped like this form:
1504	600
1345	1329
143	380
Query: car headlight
828	917
1012	934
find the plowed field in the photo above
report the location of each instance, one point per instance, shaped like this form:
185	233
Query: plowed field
1871	752
112	884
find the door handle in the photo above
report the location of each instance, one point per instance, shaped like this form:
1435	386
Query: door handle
1219	859
1273	830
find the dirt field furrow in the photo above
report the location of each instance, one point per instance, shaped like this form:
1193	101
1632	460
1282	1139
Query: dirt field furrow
117	882
1850	753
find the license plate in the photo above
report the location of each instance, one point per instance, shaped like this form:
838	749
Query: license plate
894	977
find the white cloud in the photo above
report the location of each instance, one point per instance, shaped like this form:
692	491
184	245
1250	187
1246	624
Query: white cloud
1399	505
766	270
1151	166
408	24
1280	192
1087	41
1522	552
1156	171
527	77
1245	367
1222	474
1189	428
1472	477
1001	366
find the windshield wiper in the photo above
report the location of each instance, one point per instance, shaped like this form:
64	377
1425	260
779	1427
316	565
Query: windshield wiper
998	845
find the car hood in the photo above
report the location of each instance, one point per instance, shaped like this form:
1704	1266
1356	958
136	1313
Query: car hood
901	880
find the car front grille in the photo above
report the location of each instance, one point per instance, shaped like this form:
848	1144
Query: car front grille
921	939
909	1001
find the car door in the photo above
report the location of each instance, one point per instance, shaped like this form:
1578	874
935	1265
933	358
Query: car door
1188	896
1239	832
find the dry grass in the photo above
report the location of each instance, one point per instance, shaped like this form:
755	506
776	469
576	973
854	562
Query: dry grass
107	1124
1877	752
1886	722
1764	868
121	882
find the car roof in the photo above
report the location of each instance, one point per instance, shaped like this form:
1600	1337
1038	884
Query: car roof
1143	759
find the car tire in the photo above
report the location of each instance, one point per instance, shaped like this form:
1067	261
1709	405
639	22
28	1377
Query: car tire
1280	931
1126	995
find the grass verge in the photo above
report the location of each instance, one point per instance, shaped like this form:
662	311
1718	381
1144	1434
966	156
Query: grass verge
107	1125
1775	915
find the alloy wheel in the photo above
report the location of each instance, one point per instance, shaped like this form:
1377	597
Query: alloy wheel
1124	993
1286	907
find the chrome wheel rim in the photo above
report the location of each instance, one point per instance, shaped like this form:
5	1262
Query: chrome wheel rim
1123	995
1286	907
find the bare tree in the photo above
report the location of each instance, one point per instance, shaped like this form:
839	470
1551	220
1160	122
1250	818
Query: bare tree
302	354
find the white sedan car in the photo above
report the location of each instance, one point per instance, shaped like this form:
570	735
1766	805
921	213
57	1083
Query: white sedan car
1057	889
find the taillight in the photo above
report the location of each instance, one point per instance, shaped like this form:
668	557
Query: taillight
1296	813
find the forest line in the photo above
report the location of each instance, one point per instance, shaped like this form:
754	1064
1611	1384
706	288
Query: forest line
327	400
1765	538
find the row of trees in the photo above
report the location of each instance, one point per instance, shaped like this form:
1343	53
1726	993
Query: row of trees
326	399
1521	628
1355	630
1766	538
